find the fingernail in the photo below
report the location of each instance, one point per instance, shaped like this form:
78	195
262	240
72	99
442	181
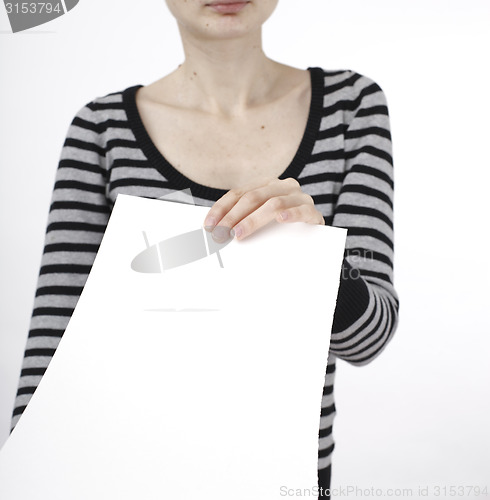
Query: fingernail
284	215
236	232
209	223
220	234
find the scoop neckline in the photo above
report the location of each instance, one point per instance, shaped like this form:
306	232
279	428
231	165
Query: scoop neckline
176	178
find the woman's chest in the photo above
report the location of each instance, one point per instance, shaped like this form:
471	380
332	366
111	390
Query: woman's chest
226	153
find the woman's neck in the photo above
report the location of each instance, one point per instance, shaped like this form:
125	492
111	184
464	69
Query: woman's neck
227	76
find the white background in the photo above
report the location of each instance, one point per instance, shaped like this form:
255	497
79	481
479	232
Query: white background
416	416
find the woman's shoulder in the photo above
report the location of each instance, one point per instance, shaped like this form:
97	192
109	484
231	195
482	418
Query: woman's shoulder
105	106
348	80
114	97
352	91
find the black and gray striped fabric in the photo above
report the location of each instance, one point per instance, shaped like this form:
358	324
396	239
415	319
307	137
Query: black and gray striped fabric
344	162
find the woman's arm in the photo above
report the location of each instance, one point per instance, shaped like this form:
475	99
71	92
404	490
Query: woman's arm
367	307
77	220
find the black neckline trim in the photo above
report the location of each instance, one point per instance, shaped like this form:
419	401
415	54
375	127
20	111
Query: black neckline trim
182	182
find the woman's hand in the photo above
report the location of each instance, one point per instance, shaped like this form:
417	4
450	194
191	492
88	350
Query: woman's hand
249	208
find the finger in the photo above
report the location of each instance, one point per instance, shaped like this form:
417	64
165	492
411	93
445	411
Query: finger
301	213
246	200
251	202
222	206
265	213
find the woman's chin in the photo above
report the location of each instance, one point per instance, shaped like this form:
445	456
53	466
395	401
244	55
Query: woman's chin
225	29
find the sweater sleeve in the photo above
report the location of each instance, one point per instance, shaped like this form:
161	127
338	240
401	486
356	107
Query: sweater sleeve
366	315
77	219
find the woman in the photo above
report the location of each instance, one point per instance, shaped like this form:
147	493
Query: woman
254	140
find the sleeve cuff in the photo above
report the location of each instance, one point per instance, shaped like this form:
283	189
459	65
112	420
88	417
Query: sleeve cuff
352	298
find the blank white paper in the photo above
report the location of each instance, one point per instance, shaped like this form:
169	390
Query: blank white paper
200	381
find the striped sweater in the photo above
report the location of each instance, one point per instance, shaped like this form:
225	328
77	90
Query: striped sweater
344	162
